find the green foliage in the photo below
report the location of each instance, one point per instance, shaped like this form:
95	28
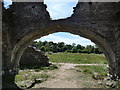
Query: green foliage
85	51
54	48
74	50
68	51
61	44
79	47
77	58
27	75
62	47
43	48
69	47
79	50
90	48
97	51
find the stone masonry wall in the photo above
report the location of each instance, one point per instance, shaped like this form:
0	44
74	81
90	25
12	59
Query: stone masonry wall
24	22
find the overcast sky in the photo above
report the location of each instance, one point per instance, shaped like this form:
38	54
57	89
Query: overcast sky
60	10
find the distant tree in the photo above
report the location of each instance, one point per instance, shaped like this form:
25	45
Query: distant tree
74	50
69	51
48	46
61	47
79	46
69	47
51	43
84	51
83	47
96	51
64	49
61	44
54	48
43	48
39	44
79	50
90	48
73	44
44	43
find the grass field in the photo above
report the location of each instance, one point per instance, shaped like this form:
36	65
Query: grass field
101	70
90	75
77	58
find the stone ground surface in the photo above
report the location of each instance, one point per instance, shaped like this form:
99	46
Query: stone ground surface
67	77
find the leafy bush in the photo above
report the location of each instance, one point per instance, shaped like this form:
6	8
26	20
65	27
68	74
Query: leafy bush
74	50
85	51
43	48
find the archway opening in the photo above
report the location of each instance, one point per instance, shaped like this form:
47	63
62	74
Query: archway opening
7	3
69	52
59	9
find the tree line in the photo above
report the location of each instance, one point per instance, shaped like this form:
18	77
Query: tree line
62	47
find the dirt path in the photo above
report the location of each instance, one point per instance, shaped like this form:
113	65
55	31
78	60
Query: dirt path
70	65
66	77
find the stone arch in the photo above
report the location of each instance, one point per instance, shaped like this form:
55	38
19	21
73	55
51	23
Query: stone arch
94	37
98	22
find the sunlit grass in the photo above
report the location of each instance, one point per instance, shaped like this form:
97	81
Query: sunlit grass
78	58
101	70
27	76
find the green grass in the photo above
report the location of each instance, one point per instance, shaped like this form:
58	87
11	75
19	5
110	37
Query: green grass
77	58
26	75
100	76
31	75
101	70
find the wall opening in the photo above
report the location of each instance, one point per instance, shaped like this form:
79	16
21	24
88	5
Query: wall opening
67	38
59	9
68	62
7	3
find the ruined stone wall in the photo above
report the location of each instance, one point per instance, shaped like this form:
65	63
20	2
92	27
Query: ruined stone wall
19	21
103	19
24	22
118	51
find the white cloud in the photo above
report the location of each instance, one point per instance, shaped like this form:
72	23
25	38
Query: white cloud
61	9
60	0
7	3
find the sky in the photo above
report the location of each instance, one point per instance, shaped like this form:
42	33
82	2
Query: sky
67	38
57	10
7	3
60	8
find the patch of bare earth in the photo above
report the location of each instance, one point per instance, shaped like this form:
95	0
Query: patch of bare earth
67	77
